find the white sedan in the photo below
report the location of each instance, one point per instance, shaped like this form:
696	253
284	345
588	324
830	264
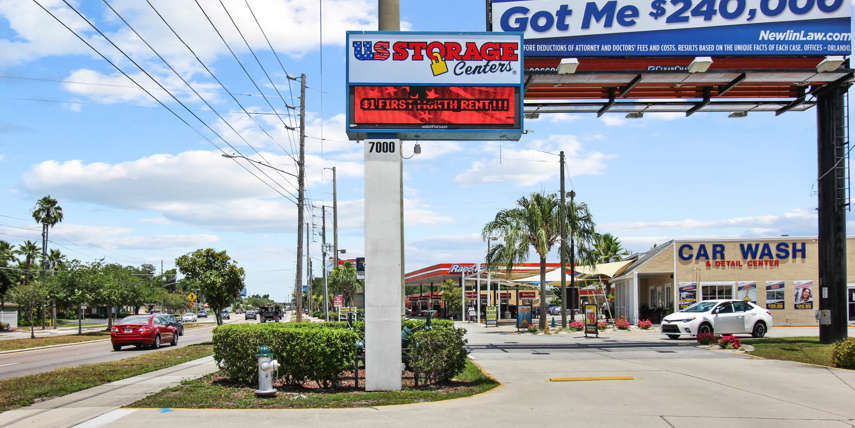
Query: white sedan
189	317
718	317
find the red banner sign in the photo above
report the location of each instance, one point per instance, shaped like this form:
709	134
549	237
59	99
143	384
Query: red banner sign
471	294
434	106
338	301
527	294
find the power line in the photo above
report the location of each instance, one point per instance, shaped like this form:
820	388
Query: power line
174	71
245	71
211	73
104	57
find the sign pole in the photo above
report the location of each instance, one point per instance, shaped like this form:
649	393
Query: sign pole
382	277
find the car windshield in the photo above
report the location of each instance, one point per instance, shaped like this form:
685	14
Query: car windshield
189	314
142	319
700	307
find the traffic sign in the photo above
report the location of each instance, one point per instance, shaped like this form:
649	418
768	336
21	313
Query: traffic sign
191	296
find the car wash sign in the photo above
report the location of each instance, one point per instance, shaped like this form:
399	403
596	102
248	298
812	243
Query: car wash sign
622	28
745	254
434	86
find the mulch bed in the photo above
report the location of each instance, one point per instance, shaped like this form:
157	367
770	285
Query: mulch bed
345	384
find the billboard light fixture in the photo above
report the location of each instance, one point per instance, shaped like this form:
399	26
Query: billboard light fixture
635	115
738	114
829	64
534	115
568	65
700	64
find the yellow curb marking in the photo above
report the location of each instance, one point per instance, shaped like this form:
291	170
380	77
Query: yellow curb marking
578	379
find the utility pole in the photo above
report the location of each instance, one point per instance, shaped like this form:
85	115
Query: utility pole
563	231
301	178
308	269
324	259
335	217
572	246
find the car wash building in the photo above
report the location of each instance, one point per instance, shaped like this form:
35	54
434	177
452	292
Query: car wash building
779	274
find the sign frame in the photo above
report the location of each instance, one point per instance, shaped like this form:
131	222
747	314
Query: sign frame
591	320
436	131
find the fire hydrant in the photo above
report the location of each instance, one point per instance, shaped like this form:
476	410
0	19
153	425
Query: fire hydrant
267	367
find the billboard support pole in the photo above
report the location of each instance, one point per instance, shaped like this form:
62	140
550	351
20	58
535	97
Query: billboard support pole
832	203
382	277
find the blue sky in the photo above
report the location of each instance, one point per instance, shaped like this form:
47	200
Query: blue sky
138	186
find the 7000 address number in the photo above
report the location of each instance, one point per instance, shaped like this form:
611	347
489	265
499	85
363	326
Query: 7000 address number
381	147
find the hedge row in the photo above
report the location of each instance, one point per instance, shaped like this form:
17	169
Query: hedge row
359	326
439	354
318	354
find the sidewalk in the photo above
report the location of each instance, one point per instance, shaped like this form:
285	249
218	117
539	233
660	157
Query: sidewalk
86	407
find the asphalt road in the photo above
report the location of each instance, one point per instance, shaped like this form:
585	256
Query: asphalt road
41	360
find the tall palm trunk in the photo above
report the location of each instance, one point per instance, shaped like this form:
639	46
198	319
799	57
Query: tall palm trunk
32	321
80	319
542	293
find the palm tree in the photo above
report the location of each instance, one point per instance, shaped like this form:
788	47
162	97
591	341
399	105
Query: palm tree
55	260
29	250
580	223
608	248
534	222
48	213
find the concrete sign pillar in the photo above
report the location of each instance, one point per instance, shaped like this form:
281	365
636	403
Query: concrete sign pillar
383	272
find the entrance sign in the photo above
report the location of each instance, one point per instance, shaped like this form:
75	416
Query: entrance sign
591	321
648	28
492	316
434	86
383	277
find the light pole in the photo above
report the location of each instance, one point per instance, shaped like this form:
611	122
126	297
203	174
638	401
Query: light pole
489	279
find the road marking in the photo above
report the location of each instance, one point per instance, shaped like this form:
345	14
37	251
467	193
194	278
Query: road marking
8	364
579	379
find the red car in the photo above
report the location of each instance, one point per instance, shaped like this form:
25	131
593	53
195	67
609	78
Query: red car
143	330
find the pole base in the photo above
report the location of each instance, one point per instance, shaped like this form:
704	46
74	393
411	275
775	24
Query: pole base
266	393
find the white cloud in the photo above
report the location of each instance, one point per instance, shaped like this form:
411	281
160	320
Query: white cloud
116	88
613	120
291	25
103	237
527	167
2	157
432	149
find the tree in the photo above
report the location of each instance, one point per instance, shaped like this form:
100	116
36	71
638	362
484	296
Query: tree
29	297
607	248
8	274
451	296
219	278
342	280
48	213
29	250
533	223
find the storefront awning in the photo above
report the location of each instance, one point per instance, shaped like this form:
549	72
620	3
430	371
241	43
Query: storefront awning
604	269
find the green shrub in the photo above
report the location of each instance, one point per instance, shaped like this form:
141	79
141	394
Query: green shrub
304	353
438	354
843	354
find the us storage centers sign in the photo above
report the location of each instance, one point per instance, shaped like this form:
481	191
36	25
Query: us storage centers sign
434	86
677	27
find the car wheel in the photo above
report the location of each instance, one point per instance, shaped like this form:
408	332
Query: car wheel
759	329
705	329
117	347
673	336
174	340
156	342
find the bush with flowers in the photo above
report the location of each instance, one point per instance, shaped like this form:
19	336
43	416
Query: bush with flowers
728	341
577	325
645	324
602	325
622	324
706	338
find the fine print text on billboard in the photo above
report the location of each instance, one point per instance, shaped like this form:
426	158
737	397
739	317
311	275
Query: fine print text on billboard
434	86
677	27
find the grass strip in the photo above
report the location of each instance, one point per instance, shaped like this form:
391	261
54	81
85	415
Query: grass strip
211	392
14	344
26	390
800	349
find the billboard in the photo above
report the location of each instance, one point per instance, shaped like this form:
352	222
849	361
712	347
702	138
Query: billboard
434	86
626	28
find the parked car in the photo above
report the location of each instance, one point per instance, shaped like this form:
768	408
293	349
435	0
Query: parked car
203	314
189	317
250	315
555	310
225	315
143	330
175	322
718	317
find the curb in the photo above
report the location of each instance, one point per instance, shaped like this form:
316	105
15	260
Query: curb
36	348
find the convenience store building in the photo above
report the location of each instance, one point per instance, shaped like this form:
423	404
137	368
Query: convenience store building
780	274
